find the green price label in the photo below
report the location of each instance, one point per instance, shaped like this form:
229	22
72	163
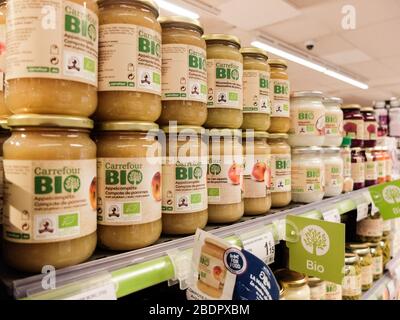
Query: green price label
386	198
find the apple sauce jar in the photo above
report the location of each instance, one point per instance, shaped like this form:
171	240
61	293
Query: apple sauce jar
225	176
52	63
256	81
225	81
4	112
129	185
184	176
280	86
50	192
129	61
257	173
184	72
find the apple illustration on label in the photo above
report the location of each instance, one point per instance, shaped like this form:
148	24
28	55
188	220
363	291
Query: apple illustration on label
156	186
234	174
259	170
321	126
351	129
217	272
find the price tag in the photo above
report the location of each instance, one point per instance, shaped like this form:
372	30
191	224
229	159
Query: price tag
262	246
362	211
104	292
332	215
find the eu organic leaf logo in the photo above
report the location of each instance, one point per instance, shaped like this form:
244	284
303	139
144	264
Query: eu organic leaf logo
315	240
391	194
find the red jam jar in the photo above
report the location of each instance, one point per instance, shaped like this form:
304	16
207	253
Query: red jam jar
358	168
370	127
353	124
371	168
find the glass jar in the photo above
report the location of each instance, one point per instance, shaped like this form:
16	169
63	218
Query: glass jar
363	252
257	173
307	175
130	35
381	162
386	250
345	153
371	168
4	135
370	127
388	164
353	124
256	84
280	112
225	176
184	176
394	119
307	115
129	185
333	171
294	284
358	168
51	71
184	87
382	118
370	229
377	259
4	112
281	170
351	283
225	81
333	122
50	192
333	291
317	288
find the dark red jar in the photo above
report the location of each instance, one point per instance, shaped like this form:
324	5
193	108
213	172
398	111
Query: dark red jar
353	124
358	168
370	127
371	168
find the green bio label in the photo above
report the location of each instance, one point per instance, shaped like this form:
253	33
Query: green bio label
386	198
56	181
316	247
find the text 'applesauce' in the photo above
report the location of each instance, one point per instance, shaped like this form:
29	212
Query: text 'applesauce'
184	73
129	61
52	56
129	185
184	176
50	192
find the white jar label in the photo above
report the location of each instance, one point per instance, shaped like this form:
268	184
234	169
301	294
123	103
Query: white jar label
371	170
367	277
351	285
256	92
377	266
358	172
333	291
49	200
225	181
257	176
54	39
281	98
346	156
318	292
129	59
184	186
281	173
184	73
389	167
381	169
2	56
370	131
333	123
307	122
354	129
212	271
307	178
225	84
129	191
370	227
333	176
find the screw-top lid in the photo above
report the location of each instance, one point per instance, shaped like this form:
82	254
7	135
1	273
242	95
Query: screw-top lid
394	103
290	279
308	94
251	51
351	107
361	249
224	133
255	134
333	100
310	150
182	22
127	126
278	63
218	37
367	109
314	281
4	125
350	258
36	120
380	105
273	136
374	244
184	129
149	4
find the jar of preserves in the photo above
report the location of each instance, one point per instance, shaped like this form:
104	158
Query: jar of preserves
257	173
294	284
394	118
333	291
281	170
388	164
50	192
225	81
4	112
52	69
4	135
129	185
345	153
184	72
358	168
370	127
381	162
307	115
353	124
130	35
382	118
333	171
280	111
256	90
225	176
333	122
308	175
371	168
363	252
351	283
184	176
377	259
317	288
386	250
370	229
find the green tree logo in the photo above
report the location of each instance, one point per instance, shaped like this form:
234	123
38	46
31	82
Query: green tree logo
391	194
72	184
315	240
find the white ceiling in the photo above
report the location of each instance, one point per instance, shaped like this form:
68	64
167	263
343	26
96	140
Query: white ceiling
371	51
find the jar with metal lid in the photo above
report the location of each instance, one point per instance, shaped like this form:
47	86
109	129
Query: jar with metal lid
394	118
352	281
184	72
358	168
130	37
50	194
294	284
333	122
4	112
317	288
353	124
280	111
363	252
377	259
257	173
381	162
388	164
308	175
345	153
184	176
225	176
370	229
370	127
382	118
225	81
386	250
281	170
334	168
371	168
256	90
4	135
128	185
307	119
333	291
52	57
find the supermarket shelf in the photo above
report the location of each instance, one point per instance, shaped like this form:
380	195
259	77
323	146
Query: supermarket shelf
376	291
133	271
